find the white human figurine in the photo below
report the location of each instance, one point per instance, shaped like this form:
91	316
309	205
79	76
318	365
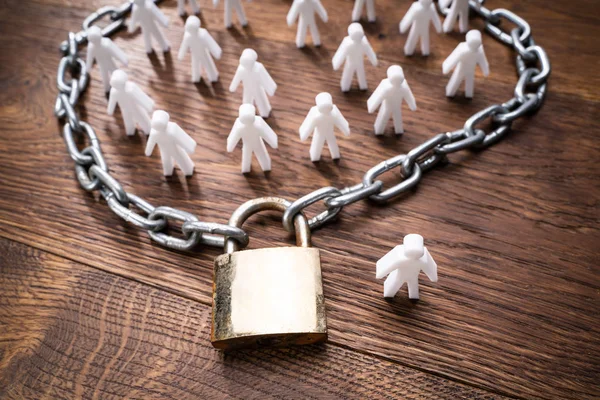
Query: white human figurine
252	130
256	80
173	142
465	57
322	120
103	51
418	18
304	11
193	5
239	10
390	94
351	53
147	16
203	48
135	105
358	7
403	265
459	9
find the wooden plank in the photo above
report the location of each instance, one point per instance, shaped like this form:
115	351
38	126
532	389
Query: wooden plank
514	229
78	332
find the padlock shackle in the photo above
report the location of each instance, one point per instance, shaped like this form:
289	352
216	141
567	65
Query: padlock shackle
254	206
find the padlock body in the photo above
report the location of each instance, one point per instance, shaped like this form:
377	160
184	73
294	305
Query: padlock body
268	297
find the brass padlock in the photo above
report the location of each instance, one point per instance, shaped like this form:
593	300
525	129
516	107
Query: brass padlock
268	297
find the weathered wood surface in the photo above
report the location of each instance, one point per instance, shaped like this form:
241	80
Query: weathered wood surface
514	229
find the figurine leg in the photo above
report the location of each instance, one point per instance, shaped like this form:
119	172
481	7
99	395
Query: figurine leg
383	116
147	40
362	78
413	288
454	82
358	6
316	146
334	149
262	104
346	81
425	43
316	36
411	42
211	70
227	16
105	72
246	159
167	162
301	33
239	9
392	284
143	120
463	21
398	126
469	85
195	70
371	10
449	21
263	157
180	8
129	123
185	162
194	6
160	38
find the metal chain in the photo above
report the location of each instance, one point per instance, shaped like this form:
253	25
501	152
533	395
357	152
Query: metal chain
533	69
92	172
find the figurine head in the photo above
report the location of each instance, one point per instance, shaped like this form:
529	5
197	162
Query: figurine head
413	246
396	75
355	31
160	120
118	79
426	3
247	114
94	34
192	24
473	39
248	58
324	102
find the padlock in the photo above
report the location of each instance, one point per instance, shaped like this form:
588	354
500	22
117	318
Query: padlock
268	297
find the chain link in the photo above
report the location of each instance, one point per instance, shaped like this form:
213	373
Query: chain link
92	172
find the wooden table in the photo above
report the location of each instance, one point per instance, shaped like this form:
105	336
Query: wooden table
91	308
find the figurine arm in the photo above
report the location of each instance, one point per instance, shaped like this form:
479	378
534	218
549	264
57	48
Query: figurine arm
267	82
234	136
340	55
151	143
369	51
409	98
162	18
340	121
452	60
483	62
435	18
321	11
89	61
431	268
118	53
376	98
213	46
292	15
144	100
408	19
112	102
134	19
185	45
267	133
237	78
309	124
183	139
390	262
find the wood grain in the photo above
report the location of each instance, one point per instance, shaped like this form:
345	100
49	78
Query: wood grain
514	229
91	334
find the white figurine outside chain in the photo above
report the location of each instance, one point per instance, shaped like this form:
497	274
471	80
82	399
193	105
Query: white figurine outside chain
403	264
418	18
390	94
464	59
135	105
459	9
103	51
252	130
202	47
351	53
322	120
193	5
239	10
358	7
304	11
256	80
147	15
173	142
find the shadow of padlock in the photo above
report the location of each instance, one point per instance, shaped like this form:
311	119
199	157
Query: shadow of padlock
268	297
